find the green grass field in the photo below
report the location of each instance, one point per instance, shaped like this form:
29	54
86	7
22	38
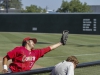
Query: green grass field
85	47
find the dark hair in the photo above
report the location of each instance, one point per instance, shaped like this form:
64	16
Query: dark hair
72	59
24	43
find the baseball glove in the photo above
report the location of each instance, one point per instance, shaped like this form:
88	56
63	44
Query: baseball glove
64	37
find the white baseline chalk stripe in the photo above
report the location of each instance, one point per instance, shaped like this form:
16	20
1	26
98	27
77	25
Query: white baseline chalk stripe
87	54
74	55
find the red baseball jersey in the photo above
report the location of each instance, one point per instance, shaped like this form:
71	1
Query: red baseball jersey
23	59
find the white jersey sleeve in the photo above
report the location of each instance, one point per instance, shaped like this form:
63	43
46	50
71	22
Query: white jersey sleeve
70	70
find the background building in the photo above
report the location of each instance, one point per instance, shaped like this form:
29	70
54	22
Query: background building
95	8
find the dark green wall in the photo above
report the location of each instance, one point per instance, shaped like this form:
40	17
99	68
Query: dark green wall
50	23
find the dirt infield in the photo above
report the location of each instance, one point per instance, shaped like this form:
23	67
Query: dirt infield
34	67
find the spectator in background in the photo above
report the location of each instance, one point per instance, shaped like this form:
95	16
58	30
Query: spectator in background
66	67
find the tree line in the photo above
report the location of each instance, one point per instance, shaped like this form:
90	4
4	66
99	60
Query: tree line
71	6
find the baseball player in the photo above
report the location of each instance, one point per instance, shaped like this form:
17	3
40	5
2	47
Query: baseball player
24	57
66	67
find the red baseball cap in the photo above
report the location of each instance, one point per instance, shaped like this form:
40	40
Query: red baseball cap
28	38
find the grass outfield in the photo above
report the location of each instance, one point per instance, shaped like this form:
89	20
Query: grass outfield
85	47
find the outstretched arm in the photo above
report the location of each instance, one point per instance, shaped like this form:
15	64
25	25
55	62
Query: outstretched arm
55	45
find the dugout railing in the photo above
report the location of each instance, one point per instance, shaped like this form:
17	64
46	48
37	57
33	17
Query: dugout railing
49	69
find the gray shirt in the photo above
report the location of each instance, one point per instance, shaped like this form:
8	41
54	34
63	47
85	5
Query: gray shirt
63	68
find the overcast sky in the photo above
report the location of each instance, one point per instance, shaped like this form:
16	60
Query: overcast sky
54	4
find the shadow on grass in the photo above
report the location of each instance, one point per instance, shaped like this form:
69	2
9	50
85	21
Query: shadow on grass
88	45
80	45
36	43
17	42
43	43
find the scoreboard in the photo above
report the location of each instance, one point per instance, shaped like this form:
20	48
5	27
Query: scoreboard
90	24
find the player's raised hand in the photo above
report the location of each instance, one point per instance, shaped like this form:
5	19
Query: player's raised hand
64	37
